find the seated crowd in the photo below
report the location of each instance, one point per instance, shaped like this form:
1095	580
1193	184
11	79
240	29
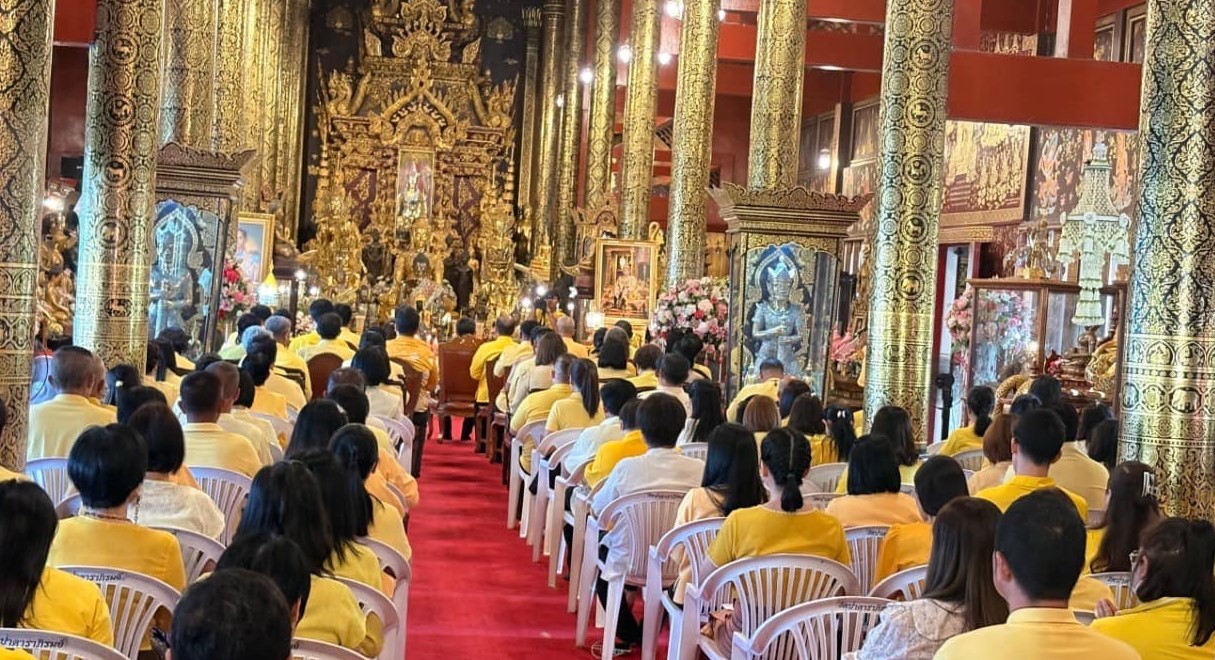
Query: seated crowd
1012	544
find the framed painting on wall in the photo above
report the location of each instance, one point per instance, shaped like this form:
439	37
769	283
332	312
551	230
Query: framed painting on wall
1135	35
986	168
1105	41
254	253
865	131
626	279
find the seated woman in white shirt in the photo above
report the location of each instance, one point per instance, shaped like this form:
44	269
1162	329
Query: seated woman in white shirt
959	595
163	501
707	412
538	376
383	397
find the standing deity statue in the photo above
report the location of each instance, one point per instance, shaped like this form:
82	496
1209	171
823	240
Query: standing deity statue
778	322
172	282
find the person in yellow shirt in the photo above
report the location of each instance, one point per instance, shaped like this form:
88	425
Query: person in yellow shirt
264	344
408	349
1074	470
611	453
771	371
329	329
234	346
1172	577
353	401
1039	553
582	408
234	613
906	545
565	327
180	342
316	310
505	327
207	443
55	424
980	401
107	466
874	496
32	594
288	363
356	449
346	314
518	352
260	366
829	432
1132	507
536	406
894	424
1037	438
646	361
997	450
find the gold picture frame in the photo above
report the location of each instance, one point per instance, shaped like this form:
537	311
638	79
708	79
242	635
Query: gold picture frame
626	280
253	252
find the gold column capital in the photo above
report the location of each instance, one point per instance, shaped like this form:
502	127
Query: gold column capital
776	105
915	77
640	108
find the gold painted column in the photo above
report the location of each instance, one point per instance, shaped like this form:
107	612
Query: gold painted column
544	193
188	112
776	107
531	92
253	105
291	110
602	124
1168	398
571	135
640	108
118	204
24	94
231	64
692	142
915	76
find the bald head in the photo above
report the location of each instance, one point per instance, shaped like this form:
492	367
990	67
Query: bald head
74	371
229	383
565	326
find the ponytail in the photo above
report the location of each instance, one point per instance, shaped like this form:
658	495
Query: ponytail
357	451
585	376
981	400
842	433
786	452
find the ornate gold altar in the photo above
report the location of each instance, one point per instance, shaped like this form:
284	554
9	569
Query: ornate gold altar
414	173
785	248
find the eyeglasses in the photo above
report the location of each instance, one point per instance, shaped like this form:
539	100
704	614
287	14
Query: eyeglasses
1135	556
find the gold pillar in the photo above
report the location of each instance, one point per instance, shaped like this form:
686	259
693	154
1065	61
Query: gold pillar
602	129
640	106
915	77
231	63
776	106
117	207
527	140
571	135
271	52
544	193
253	106
24	94
291	111
188	112
692	142
1169	354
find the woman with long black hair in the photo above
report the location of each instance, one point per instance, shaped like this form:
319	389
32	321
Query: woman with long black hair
707	411
582	408
981	402
357	451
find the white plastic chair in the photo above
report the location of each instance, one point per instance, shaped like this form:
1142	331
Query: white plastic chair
697	450
371	601
52	475
46	645
576	519
134	599
228	490
519	478
311	649
758	588
971	459
820	500
395	564
402	432
1119	582
542	500
199	553
693	539
934	449
821	630
276	452
281	426
907	489
645	516
69	507
826	476
554	511
905	585
863	544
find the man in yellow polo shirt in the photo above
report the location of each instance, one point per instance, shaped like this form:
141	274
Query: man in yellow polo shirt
505	327
536	406
939	481
329	329
407	348
565	327
1039	553
207	443
346	313
316	310
771	371
54	425
646	360
1037	440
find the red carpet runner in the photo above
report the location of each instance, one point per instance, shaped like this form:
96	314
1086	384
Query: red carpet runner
476	592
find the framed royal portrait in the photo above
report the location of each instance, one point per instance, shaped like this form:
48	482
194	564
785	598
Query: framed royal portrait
626	279
254	253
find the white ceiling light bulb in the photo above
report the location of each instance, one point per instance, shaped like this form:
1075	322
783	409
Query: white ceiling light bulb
664	59
721	15
824	159
625	54
586	76
560	101
674	9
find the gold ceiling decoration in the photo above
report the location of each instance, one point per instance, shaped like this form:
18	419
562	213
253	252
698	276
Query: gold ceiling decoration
415	143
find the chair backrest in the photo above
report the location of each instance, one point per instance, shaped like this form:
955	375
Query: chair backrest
311	649
820	500
826	476
52	475
971	459
934	449
291	373
694	539
494	383
533	429
1084	616
45	645
69	507
863	544
698	450
759	587
557	439
395	564
133	598
907	584
371	601
455	359
199	553
320	366
647	515
397	431
1119	582
276	451
281	426
228	490
907	489
41	389
820	630
413	384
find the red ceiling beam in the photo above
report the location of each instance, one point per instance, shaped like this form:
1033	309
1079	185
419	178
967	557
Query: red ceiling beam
1023	16
1012	89
855	11
75	22
1075	28
838	50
